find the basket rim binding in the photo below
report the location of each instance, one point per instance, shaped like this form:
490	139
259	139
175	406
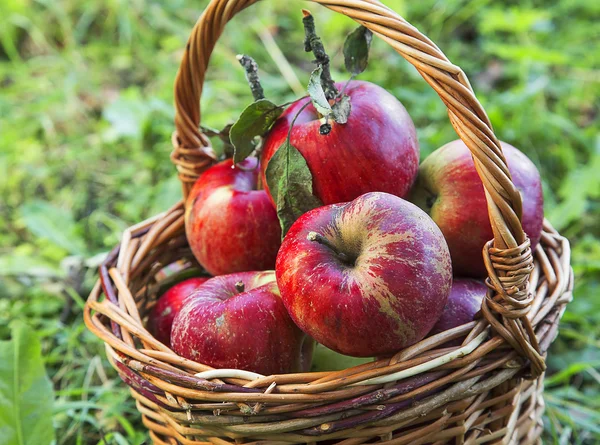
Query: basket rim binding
517	326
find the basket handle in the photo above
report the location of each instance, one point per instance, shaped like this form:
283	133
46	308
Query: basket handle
509	261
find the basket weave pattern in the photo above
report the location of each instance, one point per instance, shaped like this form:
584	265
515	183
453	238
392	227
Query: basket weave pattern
489	389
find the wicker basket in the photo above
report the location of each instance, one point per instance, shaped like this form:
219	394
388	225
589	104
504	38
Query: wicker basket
489	389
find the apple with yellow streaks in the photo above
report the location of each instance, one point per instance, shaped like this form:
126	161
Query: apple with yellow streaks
365	278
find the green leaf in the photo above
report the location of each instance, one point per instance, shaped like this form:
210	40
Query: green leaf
341	109
26	395
27	265
290	182
356	50
316	93
54	224
127	115
254	121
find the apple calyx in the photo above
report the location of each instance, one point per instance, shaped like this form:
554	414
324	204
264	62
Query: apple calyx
240	286
325	129
317	237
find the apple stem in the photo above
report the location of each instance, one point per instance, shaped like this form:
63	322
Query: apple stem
317	237
313	43
289	134
251	68
240	287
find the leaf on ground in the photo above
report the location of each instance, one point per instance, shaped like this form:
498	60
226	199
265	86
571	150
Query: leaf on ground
316	93
27	265
127	115
47	221
290	183
356	50
26	395
254	121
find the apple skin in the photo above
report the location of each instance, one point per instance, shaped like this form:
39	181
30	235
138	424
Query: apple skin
449	189
250	330
463	303
386	295
230	225
376	150
168	306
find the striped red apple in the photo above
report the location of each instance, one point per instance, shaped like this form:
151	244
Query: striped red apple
239	321
365	278
160	319
449	189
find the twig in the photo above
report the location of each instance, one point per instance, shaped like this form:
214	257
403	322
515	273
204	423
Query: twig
251	68
313	43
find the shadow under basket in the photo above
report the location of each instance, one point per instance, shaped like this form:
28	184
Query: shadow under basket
487	390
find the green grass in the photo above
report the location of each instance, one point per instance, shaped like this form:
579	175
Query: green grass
85	122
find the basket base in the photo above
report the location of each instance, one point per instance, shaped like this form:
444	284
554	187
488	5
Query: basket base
510	414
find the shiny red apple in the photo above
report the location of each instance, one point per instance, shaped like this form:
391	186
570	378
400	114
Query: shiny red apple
376	150
463	303
449	189
239	321
168	306
365	278
230	223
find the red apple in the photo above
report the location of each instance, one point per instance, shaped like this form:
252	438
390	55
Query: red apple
365	278
239	321
230	224
376	150
450	191
168	306
462	305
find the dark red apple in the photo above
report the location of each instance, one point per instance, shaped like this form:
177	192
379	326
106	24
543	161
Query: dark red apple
230	224
463	303
450	191
376	150
168	306
365	278
239	321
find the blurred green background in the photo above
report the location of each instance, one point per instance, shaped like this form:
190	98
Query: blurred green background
86	115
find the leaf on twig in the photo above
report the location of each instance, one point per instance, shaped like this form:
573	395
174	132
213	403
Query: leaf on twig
254	121
356	50
316	93
290	183
341	109
210	132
